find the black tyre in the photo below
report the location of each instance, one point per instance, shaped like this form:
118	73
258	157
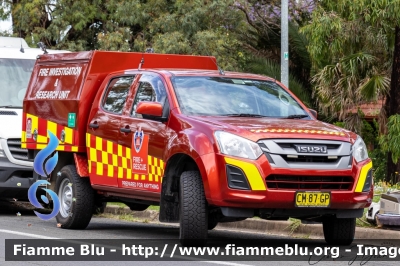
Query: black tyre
193	210
77	200
339	231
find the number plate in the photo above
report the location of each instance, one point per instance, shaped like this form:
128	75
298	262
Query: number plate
312	199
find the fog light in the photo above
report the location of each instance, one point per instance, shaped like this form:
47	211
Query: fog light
368	182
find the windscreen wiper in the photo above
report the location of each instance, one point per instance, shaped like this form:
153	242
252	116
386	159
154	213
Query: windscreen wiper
244	115
296	116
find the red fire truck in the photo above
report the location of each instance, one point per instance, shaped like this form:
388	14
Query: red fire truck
207	146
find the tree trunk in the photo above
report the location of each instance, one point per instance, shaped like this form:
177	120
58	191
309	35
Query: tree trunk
392	105
16	28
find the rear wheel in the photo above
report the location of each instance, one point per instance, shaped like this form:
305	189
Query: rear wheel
193	210
339	231
77	200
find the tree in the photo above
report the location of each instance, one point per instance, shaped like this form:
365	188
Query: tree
263	39
392	108
169	26
355	49
272	69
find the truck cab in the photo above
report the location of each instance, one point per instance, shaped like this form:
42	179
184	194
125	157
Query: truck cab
207	146
17	60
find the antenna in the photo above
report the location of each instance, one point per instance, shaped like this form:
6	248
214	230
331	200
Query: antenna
43	47
22	48
144	47
141	62
221	71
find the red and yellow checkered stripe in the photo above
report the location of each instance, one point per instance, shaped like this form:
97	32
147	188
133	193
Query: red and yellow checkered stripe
41	126
107	158
306	131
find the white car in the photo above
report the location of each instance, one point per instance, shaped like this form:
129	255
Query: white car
373	210
16	65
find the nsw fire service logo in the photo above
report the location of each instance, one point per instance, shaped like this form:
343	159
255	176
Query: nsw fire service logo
138	139
140	152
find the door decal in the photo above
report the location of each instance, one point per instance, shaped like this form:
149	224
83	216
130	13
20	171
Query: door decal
140	152
107	159
138	139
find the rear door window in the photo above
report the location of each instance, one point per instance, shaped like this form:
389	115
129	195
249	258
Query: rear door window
116	94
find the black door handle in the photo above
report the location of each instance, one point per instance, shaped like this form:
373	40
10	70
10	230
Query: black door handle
125	130
94	125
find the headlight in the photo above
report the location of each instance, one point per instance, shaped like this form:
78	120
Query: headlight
233	145
2	154
360	152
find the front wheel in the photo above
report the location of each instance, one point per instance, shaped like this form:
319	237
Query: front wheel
77	199
339	231
193	210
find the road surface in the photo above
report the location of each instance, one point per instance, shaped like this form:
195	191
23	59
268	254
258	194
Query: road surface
28	226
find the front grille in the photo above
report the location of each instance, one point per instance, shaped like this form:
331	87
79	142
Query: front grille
328	154
310	159
18	153
309	182
291	145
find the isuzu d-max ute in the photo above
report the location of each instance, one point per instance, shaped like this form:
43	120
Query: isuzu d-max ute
207	146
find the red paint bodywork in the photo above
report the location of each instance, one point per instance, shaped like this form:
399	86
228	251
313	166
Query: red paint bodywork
181	134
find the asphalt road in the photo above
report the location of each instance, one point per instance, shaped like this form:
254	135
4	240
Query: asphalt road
28	226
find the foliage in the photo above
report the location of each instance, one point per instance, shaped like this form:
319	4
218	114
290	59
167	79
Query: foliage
263	38
339	124
351	58
353	45
379	162
368	132
383	187
272	69
204	27
370	135
391	141
5	34
340	27
294	225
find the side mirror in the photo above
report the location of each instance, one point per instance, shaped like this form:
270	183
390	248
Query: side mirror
314	113
152	109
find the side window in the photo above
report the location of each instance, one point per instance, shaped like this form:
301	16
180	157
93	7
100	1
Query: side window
117	93
151	89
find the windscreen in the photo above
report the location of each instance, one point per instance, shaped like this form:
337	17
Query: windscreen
220	96
14	79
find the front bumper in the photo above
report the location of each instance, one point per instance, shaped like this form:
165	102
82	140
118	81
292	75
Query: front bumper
15	180
259	196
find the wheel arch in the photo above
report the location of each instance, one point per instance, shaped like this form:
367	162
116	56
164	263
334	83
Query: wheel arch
169	198
64	158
